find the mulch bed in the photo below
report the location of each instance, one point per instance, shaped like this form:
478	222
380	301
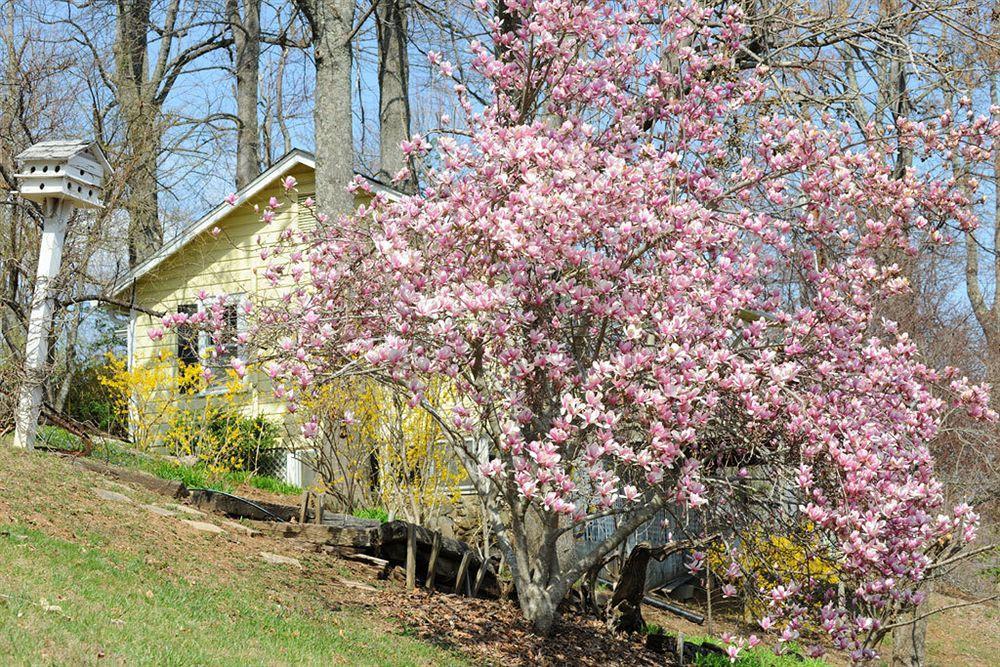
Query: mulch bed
495	633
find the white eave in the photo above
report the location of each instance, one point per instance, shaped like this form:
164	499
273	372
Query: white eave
296	157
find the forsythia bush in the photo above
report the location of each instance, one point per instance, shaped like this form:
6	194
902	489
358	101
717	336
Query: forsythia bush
410	470
765	559
164	408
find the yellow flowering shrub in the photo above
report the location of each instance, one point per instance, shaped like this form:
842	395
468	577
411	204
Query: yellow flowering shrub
766	559
376	450
165	405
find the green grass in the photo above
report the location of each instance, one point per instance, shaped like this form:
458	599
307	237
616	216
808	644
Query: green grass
756	657
67	603
197	476
376	513
58	438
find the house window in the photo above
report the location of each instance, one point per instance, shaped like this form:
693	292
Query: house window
187	338
213	349
219	347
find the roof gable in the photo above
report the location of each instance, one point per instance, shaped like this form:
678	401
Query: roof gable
289	161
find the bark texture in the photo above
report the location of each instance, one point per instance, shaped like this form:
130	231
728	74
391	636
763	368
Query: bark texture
909	642
245	26
624	613
143	134
393	86
331	22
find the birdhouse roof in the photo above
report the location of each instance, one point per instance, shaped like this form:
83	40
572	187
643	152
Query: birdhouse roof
64	150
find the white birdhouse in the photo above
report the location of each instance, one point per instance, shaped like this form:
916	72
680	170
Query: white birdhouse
70	170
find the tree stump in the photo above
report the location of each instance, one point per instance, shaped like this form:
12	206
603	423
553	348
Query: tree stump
624	610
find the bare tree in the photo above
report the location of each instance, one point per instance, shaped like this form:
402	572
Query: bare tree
986	307
245	27
331	23
394	90
154	44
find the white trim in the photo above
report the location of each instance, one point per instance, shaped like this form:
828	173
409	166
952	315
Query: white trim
130	340
293	469
296	157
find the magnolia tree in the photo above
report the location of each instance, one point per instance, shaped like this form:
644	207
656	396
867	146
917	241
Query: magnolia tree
643	305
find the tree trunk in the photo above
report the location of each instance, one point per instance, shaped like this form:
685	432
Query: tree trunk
624	612
246	38
909	642
145	233
394	96
332	22
538	605
143	134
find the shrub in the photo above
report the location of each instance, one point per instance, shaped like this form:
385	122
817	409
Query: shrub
223	439
164	403
92	401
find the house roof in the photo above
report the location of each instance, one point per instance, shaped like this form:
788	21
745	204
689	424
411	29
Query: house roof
293	158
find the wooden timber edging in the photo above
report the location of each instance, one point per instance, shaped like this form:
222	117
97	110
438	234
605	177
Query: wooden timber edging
346	535
237	507
164	487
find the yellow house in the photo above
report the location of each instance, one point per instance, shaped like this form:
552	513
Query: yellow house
217	255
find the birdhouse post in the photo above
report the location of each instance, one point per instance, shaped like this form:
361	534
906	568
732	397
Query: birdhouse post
61	176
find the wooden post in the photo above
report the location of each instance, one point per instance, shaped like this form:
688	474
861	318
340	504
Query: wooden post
432	565
708	597
480	576
463	568
36	347
303	507
624	610
411	556
319	499
54	191
680	648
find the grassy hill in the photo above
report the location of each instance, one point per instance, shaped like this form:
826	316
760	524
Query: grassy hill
95	572
85	580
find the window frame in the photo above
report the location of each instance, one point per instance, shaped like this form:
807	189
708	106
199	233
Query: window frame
204	344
